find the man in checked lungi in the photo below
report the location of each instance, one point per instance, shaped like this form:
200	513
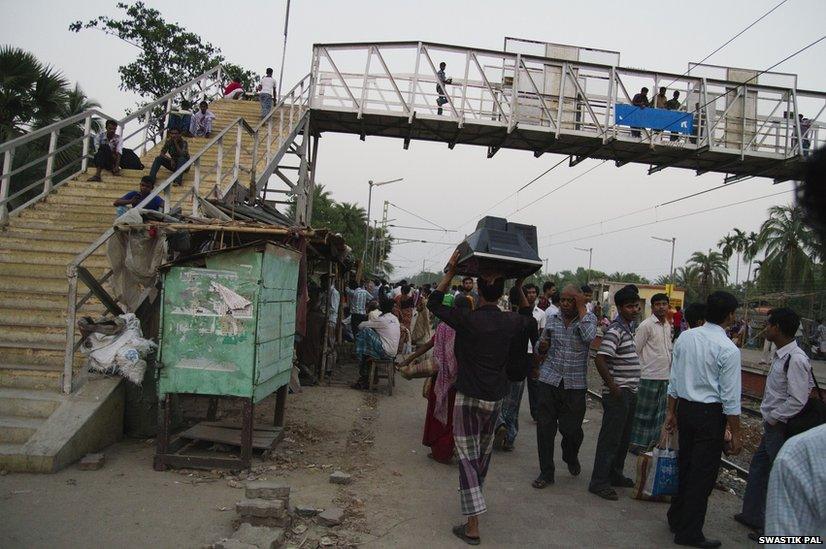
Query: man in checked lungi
483	352
654	342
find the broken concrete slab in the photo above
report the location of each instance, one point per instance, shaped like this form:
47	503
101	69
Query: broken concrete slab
91	462
340	477
270	522
331	517
306	510
260	536
260	508
267	489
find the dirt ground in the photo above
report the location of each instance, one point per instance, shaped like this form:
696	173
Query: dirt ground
398	498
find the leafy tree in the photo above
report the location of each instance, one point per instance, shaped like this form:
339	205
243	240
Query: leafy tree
169	57
32	96
632	278
789	245
734	243
711	270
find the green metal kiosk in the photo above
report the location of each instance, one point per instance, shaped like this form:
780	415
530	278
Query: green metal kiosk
227	330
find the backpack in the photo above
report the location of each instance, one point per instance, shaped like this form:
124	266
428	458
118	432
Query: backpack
813	412
129	160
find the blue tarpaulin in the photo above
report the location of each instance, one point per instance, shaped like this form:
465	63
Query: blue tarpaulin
654	119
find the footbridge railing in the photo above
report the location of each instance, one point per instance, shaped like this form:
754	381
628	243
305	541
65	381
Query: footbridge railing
566	98
271	139
69	144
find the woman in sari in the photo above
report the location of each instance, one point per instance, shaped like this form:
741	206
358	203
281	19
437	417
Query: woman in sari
422	331
439	389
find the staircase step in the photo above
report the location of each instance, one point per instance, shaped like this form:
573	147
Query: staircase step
52	318
31	376
56	235
58	246
32	403
44	337
98	259
35	355
17	430
46	303
17	284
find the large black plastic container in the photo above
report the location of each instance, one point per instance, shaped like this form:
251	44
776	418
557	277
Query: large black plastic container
499	247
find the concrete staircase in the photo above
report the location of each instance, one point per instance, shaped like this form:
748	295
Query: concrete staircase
35	249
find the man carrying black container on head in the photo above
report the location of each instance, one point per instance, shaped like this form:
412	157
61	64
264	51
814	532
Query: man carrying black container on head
703	399
486	339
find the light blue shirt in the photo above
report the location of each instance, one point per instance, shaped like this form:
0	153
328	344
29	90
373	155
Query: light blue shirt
705	368
796	501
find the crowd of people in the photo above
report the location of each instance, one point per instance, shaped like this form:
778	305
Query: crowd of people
673	374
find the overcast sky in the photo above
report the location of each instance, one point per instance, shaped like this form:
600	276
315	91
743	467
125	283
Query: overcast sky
450	187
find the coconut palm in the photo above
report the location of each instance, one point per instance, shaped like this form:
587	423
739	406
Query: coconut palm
789	245
711	269
731	244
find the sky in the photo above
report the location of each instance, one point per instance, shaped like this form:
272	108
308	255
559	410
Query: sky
449	187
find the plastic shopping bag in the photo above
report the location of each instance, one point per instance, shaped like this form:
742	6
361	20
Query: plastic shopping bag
662	478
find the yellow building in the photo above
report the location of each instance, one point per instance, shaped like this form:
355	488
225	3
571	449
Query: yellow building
607	289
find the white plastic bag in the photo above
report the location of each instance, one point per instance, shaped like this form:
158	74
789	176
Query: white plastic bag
122	354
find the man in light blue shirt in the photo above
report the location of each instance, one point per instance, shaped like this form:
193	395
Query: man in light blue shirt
703	398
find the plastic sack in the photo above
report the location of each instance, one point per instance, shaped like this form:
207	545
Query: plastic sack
121	354
662	478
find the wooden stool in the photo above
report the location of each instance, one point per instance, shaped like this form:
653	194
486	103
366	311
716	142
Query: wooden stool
389	372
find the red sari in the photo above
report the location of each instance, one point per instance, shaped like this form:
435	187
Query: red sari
437	435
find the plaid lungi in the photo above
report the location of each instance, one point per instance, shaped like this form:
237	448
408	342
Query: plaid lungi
509	415
473	425
368	343
652	400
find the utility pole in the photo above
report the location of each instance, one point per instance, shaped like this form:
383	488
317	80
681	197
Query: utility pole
673	241
383	247
590	257
369	204
283	51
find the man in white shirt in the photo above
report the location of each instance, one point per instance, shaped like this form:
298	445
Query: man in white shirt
788	385
201	123
266	92
508	424
653	340
376	340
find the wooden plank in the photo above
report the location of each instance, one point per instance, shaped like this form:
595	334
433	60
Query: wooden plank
230	424
261	440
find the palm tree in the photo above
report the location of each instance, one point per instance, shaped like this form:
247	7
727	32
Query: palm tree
733	244
750	251
711	270
788	244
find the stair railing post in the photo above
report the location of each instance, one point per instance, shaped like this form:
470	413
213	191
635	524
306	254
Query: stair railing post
4	186
168	110
269	139
87	129
237	166
47	181
196	186
71	312
219	162
253	164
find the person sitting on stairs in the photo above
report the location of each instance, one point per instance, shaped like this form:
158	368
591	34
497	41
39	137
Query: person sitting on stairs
133	198
109	149
174	152
201	124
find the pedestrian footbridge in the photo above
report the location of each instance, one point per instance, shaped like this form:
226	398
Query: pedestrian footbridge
567	100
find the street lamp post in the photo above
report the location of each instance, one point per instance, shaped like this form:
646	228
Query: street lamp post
590	257
369	204
673	241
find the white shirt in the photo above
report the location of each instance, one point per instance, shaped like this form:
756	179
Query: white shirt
389	330
539	315
653	340
550	311
787	391
334	301
589	307
267	85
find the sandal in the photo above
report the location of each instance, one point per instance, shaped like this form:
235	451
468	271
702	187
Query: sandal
606	493
459	532
94	178
541	483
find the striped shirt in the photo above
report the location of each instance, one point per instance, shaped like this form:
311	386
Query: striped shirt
358	301
620	354
567	360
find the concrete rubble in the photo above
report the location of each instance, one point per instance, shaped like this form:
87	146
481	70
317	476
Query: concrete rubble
340	477
91	462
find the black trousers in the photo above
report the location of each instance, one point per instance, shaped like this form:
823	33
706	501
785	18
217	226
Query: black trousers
355	320
701	430
562	409
532	398
105	158
614	436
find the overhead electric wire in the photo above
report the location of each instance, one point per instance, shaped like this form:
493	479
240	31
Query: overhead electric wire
681	216
421	228
417	216
589	170
635	212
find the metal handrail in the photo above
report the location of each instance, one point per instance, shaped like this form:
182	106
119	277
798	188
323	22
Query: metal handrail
145	113
298	97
